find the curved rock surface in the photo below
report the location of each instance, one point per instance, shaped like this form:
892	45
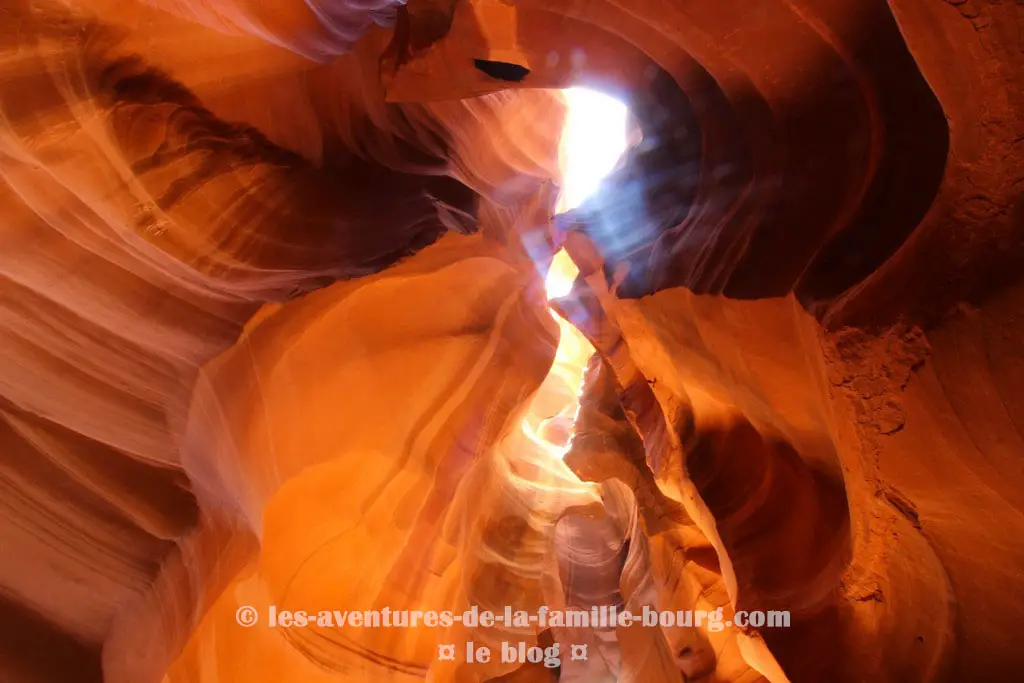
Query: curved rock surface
273	332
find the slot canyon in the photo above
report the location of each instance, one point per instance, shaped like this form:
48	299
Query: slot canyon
301	311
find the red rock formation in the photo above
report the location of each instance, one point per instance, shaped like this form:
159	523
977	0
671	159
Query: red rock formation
273	332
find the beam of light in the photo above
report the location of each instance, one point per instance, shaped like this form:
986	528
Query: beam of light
553	410
561	275
593	140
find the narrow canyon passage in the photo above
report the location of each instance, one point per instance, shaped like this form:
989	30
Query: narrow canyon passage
325	322
591	143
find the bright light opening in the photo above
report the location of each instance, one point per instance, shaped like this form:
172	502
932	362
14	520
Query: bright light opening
594	137
561	275
593	141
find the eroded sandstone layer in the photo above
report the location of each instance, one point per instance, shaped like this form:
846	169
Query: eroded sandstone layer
273	331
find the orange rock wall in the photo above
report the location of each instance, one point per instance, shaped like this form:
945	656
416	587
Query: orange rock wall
271	311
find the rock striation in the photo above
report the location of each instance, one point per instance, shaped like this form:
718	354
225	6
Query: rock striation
273	332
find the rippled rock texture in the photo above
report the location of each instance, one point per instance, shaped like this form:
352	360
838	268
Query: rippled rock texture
273	331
